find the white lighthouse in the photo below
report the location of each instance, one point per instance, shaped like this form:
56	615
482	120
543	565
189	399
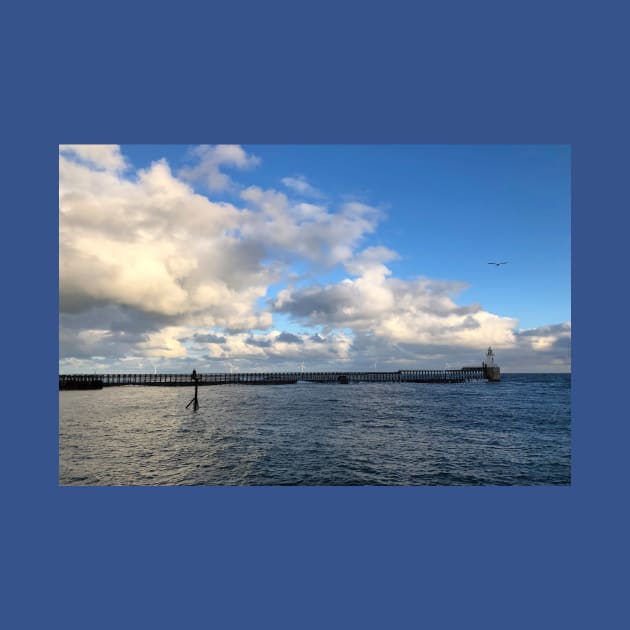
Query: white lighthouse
491	369
489	358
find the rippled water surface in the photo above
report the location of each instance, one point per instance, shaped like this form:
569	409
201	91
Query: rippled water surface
513	432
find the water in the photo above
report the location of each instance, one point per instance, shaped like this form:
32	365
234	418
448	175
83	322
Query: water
516	432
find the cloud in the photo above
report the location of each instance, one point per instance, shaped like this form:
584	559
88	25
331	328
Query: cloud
102	156
289	338
371	261
258	342
145	252
211	159
520	356
152	245
90	342
153	274
266	351
283	350
108	331
546	337
163	343
420	311
299	184
209	338
311	232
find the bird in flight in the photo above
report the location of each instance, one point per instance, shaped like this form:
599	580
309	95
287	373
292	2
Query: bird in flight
499	263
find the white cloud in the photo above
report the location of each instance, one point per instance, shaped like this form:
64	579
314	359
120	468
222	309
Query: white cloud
211	159
420	312
301	186
306	230
164	343
102	156
154	245
370	261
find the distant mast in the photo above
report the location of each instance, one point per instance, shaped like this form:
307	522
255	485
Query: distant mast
492	370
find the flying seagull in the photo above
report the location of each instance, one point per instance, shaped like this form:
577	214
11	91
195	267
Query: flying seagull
499	263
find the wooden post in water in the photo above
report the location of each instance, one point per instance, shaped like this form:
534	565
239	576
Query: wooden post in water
194	400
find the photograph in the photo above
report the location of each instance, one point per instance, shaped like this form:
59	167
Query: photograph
404	311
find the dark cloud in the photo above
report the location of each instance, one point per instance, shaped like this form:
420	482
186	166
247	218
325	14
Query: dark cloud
259	343
316	302
470	309
288	338
110	331
471	322
114	317
109	345
546	331
237	263
74	302
209	338
562	344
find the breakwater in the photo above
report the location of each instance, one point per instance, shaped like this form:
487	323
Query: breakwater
97	381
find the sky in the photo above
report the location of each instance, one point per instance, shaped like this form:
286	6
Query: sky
327	257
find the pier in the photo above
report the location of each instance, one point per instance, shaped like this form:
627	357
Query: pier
488	371
97	381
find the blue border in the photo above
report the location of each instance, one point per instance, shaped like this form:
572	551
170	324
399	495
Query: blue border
320	557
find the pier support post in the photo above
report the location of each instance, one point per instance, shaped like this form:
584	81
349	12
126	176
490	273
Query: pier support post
194	400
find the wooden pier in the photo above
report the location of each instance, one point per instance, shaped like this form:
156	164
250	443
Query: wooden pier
97	381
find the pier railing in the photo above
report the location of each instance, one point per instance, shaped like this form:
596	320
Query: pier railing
96	381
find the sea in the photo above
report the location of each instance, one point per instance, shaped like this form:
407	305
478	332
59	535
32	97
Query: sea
515	432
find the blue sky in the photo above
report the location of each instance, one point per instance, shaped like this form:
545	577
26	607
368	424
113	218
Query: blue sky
450	209
380	249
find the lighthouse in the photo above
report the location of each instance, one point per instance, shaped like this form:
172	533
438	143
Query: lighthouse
489	358
492	370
